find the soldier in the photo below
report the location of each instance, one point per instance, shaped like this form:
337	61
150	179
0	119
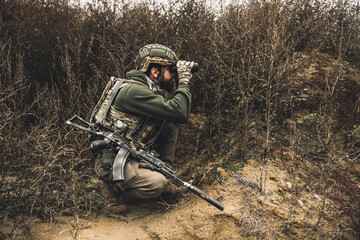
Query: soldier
150	121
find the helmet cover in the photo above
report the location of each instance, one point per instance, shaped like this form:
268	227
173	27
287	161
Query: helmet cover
154	53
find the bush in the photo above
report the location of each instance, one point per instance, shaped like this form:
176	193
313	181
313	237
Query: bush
56	58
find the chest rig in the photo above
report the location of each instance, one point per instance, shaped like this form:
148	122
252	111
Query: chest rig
141	130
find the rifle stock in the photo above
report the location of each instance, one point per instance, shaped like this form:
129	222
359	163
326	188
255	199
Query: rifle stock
147	159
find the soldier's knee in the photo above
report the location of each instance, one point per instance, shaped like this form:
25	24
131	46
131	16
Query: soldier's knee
159	183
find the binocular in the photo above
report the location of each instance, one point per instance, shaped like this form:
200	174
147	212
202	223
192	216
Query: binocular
194	69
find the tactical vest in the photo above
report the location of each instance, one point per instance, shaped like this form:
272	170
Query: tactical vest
138	129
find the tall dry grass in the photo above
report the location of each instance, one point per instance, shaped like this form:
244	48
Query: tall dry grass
55	60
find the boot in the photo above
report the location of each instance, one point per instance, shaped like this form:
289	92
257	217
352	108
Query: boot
174	191
115	206
115	203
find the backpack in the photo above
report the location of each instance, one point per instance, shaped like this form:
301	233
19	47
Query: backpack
99	115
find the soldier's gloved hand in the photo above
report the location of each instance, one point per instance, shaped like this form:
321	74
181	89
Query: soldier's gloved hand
184	71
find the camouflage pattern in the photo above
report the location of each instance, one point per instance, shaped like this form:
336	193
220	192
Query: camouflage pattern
154	53
103	107
184	71
138	129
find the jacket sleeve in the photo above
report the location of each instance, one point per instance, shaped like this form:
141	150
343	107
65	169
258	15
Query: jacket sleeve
140	100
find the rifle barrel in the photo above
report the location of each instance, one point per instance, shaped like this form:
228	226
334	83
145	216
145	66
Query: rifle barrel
205	196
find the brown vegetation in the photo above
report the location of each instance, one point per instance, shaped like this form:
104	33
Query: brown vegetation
277	79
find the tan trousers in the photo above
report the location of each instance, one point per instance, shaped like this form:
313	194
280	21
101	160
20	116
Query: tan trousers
143	183
140	182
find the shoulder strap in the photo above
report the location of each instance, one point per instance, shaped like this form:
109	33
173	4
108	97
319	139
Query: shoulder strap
106	99
112	93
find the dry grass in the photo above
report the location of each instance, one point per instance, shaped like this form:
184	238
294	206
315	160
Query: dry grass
55	60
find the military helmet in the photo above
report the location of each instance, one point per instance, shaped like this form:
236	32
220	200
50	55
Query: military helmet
154	53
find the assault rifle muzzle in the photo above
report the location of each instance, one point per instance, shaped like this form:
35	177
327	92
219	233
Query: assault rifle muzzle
194	69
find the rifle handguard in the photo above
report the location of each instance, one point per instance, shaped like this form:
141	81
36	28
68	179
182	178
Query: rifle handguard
146	165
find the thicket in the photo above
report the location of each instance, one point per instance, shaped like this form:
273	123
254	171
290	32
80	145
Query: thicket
55	59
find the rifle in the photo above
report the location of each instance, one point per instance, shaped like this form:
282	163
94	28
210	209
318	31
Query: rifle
147	159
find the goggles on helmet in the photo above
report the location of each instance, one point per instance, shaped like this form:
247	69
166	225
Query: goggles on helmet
156	60
154	53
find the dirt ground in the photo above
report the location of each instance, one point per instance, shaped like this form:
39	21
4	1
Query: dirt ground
248	214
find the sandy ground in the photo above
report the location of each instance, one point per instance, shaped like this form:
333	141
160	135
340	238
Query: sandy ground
248	214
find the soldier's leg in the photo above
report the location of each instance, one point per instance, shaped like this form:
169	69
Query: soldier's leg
142	183
108	189
167	142
166	145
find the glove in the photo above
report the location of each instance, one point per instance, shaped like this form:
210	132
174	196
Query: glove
184	71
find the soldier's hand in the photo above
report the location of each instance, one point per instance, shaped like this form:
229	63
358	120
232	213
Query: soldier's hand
184	71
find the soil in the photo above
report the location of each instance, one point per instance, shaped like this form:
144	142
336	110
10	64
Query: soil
248	214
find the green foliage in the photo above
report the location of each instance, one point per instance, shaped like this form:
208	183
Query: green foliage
302	95
304	119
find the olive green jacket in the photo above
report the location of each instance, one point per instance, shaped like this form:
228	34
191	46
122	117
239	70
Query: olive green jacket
136	98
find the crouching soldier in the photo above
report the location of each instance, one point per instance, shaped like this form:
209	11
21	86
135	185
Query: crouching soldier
136	107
